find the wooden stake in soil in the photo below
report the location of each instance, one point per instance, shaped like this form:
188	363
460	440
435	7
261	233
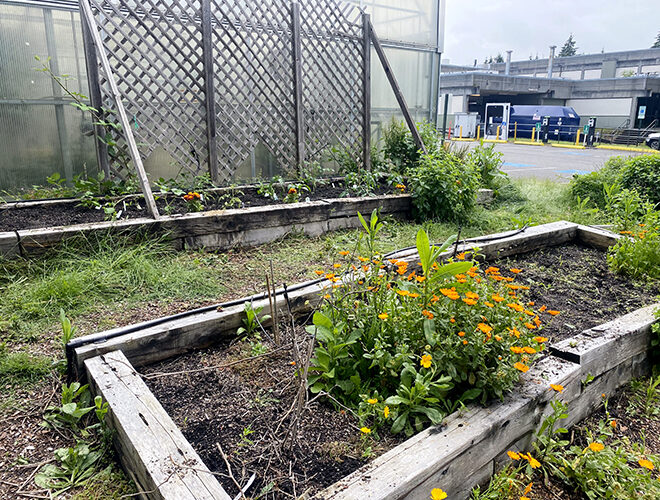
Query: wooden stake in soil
273	307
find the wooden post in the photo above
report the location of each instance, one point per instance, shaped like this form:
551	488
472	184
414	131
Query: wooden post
86	10
92	65
366	92
297	85
209	89
395	88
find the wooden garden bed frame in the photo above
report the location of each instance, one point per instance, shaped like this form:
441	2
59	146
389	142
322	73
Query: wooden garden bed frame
465	450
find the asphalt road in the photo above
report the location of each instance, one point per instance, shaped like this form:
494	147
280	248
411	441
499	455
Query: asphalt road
546	162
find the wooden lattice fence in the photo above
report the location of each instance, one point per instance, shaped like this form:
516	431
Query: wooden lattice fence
208	80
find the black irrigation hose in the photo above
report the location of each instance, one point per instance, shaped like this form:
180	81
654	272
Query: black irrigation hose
101	337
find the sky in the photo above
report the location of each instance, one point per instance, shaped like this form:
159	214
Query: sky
476	29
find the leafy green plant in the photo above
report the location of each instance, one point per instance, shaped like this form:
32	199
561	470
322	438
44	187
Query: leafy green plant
77	465
646	396
405	346
194	201
251	322
361	183
294	192
68	331
443	188
642	173
399	148
75	404
592	185
245	440
371	231
487	162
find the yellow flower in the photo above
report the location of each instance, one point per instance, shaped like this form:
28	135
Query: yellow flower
484	328
337	265
533	463
438	494
372	401
528	488
403	293
596	446
386	412
513	455
647	464
383	315
426	361
365	430
557	387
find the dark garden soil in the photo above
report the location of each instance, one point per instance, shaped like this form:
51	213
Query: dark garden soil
131	207
246	409
576	281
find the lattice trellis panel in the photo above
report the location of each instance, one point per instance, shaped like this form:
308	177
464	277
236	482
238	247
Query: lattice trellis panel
156	49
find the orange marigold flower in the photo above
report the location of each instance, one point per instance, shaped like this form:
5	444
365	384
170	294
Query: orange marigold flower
362	259
452	320
647	464
540	340
461	334
516	350
492	270
472	295
426	361
528	312
319	273
460	256
553	313
460	276
521	367
344	253
428	314
465	342
383	315
515	271
530	326
543	308
557	387
403	293
613	424
537	321
413	295
469	302
489	304
516	307
529	350
499	339
596	446
534	464
419	279
292	190
513	455
528	488
497	298
484	328
434	299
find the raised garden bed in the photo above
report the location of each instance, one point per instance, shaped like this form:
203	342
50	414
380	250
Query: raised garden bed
32	227
461	452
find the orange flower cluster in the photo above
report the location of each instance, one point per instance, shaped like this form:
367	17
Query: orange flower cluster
192	196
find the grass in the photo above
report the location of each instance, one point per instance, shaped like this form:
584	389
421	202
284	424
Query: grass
21	368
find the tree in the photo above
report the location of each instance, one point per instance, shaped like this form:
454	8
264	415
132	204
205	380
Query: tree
499	58
569	48
656	44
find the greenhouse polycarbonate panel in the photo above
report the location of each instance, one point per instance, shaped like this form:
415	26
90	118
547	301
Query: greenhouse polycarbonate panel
156	49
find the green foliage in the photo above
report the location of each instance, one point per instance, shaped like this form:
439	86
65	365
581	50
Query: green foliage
76	466
20	368
252	321
75	404
407	348
400	149
638	254
443	188
569	48
68	331
361	183
487	163
642	173
646	396
84	273
592	185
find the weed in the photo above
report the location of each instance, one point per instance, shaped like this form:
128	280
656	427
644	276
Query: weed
22	368
646	396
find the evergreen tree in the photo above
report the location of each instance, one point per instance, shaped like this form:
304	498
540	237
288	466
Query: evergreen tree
656	44
569	48
499	58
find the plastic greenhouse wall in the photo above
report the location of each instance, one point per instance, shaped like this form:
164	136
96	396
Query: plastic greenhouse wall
41	133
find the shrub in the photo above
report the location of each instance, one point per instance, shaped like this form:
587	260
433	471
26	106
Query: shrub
487	163
592	185
406	347
642	173
400	148
442	187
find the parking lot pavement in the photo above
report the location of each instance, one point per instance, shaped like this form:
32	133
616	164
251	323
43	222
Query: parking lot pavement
546	162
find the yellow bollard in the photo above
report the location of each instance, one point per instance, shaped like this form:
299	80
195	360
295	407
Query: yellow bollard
460	131
497	137
577	138
478	131
515	131
533	133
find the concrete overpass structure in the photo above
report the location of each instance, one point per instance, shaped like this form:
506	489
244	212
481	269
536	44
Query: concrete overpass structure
609	86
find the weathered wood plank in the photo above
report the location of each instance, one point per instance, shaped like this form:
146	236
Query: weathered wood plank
596	237
9	245
606	346
150	344
441	456
151	447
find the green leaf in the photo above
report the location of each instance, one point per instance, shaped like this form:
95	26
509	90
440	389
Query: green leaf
400	421
429	331
423	249
396	400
